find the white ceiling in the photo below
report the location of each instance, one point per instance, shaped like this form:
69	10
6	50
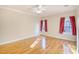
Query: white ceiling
50	9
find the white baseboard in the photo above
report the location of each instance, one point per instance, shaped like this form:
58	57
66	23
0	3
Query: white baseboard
11	41
30	37
60	37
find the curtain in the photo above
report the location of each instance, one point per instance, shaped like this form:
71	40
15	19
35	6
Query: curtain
73	23
62	20
46	26
41	25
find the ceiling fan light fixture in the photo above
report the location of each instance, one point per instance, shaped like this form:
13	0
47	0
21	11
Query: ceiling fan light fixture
39	9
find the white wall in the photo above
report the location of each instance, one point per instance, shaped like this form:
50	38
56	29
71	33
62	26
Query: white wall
15	25
54	23
77	12
78	33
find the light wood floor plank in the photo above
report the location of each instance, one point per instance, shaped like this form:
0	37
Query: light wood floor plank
53	46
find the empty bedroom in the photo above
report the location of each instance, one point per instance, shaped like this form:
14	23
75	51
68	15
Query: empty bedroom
38	29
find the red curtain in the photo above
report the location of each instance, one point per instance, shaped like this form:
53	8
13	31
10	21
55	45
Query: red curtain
62	19
73	23
46	26
41	25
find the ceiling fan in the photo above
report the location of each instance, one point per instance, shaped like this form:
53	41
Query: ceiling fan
39	9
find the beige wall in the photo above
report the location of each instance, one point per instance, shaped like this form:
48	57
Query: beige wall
15	25
54	23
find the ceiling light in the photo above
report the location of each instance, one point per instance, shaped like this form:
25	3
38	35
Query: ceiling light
39	9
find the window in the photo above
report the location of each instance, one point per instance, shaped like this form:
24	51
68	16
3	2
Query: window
67	26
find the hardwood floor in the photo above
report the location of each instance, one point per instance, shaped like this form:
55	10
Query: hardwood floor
53	46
